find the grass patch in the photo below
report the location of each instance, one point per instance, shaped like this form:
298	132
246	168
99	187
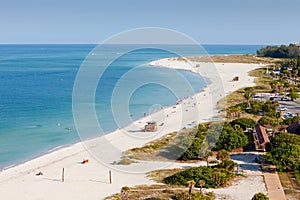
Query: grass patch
164	149
290	184
247	58
159	192
152	146
126	161
232	99
262	82
159	175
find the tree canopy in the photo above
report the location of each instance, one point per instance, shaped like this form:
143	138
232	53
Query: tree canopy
218	136
283	51
231	138
244	123
284	152
212	177
260	196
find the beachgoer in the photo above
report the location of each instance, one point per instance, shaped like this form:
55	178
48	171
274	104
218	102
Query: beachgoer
39	173
85	161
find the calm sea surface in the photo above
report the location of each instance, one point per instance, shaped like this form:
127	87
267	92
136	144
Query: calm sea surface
36	84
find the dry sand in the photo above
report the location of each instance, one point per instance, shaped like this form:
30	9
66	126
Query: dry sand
91	180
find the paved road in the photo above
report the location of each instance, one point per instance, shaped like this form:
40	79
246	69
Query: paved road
292	107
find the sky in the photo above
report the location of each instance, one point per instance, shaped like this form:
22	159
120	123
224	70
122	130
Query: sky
206	21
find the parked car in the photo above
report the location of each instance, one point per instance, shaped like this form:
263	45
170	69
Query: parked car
285	99
282	108
289	115
254	96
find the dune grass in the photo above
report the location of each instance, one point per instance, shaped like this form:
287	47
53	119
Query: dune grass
236	58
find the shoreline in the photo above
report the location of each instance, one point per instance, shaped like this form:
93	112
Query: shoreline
57	148
69	156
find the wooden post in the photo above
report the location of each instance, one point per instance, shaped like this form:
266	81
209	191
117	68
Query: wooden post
110	177
63	175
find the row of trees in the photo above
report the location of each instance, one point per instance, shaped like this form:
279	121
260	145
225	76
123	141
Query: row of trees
283	51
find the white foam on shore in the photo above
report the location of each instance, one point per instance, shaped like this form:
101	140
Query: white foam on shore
90	181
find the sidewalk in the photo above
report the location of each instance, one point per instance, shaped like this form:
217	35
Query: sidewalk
273	184
274	187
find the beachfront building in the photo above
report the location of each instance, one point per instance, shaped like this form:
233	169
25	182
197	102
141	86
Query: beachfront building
261	137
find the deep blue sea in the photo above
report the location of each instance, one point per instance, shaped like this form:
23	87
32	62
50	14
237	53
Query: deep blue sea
36	84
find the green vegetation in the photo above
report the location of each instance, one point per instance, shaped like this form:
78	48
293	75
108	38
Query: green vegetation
218	136
291	183
189	144
158	192
262	81
213	177
244	123
267	108
298	64
192	152
236	58
289	121
260	196
294	95
282	51
124	192
284	152
231	138
155	145
194	196
267	121
223	155
243	112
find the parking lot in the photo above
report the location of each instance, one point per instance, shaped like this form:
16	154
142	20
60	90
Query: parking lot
287	107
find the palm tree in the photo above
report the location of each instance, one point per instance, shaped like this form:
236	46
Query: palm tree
278	116
247	95
295	74
125	193
274	87
280	87
222	155
201	184
209	154
190	184
286	86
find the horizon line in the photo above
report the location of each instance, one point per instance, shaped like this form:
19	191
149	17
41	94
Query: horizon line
138	44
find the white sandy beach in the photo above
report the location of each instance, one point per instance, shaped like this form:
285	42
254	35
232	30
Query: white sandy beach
91	180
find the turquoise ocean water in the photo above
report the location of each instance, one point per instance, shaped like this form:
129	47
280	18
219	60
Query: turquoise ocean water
36	83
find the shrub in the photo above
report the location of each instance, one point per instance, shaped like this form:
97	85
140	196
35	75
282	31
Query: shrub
213	177
289	121
267	121
244	123
260	196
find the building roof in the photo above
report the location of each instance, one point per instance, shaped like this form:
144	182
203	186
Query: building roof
261	135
